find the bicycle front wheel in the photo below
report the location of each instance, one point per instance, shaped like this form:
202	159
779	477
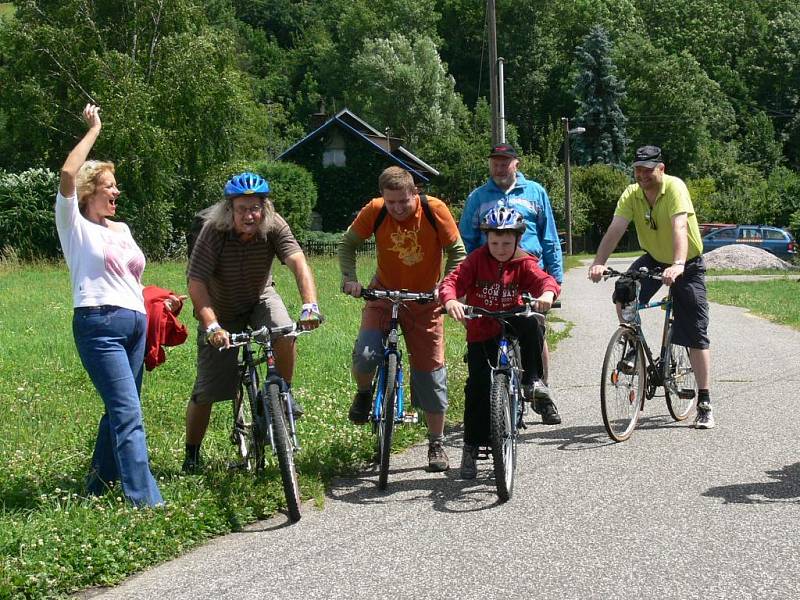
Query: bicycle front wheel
386	422
249	425
501	435
285	450
622	385
680	385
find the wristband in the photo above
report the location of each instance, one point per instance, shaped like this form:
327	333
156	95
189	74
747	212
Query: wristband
310	306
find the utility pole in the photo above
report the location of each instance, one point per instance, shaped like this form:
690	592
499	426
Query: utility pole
568	179
492	25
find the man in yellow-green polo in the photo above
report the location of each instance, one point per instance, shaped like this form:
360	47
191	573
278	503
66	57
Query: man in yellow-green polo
662	212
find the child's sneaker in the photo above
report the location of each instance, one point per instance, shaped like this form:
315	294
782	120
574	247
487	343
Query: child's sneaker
469	466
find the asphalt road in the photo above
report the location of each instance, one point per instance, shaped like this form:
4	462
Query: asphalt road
671	513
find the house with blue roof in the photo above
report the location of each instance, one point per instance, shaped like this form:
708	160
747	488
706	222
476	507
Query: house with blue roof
345	156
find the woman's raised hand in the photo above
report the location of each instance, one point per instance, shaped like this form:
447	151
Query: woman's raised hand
91	114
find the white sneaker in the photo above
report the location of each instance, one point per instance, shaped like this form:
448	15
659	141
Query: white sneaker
705	417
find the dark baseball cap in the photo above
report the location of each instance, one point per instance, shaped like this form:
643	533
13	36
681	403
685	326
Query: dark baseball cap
648	157
505	150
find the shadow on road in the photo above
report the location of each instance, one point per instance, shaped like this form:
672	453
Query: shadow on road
785	488
447	492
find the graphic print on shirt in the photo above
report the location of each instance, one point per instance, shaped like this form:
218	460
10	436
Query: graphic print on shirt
495	295
122	256
406	244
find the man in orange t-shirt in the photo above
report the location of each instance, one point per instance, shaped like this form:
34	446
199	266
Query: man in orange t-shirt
409	242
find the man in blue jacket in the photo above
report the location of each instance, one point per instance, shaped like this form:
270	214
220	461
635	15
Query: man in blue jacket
509	187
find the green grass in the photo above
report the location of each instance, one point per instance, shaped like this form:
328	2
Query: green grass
53	540
6	9
713	272
778	299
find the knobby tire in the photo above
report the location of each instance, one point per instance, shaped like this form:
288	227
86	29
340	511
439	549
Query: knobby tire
504	451
285	451
386	423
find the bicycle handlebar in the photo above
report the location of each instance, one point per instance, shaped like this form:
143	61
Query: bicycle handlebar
397	295
524	310
293	330
642	273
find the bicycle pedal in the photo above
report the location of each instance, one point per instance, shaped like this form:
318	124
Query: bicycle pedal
410	417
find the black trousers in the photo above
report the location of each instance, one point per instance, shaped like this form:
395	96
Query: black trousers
479	355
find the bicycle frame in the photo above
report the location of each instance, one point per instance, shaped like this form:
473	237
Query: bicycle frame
655	371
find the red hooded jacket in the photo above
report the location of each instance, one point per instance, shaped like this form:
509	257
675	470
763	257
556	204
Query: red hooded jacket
495	286
163	327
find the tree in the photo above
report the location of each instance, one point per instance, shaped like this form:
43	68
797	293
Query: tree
598	92
402	84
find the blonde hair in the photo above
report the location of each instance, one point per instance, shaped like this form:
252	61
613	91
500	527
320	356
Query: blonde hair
396	178
220	215
86	180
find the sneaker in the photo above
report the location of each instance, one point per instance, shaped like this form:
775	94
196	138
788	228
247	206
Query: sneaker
191	465
705	417
541	391
359	409
437	457
469	466
297	408
548	410
628	364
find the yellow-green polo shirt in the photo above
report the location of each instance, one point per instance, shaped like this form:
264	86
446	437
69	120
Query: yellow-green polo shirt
673	200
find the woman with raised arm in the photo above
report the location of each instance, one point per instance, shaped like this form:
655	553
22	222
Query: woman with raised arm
109	321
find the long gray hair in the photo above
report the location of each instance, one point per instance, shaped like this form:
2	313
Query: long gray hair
220	215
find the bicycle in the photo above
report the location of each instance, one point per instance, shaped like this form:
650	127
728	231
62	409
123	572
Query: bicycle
627	380
388	405
506	406
266	414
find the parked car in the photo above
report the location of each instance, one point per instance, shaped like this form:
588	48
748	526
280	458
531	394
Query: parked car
706	228
772	239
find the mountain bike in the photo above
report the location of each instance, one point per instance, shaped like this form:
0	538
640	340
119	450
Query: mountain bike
262	409
388	404
632	374
506	406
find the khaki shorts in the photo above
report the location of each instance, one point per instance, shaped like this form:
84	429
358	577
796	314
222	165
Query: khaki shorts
217	370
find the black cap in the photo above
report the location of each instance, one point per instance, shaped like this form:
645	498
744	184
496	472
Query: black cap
648	157
505	150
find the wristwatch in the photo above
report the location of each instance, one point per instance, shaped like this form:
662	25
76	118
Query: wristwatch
211	329
679	262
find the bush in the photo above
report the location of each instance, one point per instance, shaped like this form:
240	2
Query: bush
292	191
27	216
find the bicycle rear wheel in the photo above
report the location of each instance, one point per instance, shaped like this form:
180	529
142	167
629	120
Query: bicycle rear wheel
249	428
386	420
501	435
680	385
622	389
285	451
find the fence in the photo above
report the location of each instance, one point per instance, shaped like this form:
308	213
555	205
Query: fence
314	248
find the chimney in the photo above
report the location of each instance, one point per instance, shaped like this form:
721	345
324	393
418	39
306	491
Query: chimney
319	117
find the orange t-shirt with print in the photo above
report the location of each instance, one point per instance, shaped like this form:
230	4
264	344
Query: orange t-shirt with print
409	252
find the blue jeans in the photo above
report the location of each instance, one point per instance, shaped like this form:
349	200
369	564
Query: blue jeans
110	342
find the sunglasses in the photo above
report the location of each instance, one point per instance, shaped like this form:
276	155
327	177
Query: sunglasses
651	220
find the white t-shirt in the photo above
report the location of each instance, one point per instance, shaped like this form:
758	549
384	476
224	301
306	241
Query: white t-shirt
105	266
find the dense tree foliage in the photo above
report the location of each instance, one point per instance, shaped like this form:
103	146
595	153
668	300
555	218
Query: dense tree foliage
189	87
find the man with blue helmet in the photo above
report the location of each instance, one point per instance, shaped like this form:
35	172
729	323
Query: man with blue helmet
508	187
231	287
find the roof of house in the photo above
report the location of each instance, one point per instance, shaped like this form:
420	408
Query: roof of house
389	146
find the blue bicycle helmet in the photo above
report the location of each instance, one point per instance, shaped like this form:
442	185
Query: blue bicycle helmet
246	184
502	218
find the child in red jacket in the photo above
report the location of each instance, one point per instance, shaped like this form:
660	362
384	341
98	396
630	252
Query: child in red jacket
494	277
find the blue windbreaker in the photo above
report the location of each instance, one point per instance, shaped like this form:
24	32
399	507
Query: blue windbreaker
530	199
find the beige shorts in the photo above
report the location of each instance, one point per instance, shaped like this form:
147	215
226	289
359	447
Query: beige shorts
217	370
